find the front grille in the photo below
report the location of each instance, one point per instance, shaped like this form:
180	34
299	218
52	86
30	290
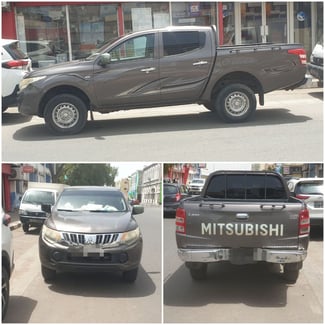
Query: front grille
90	239
317	61
37	214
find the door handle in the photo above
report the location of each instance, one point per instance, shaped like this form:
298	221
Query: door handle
273	206
147	70
200	63
242	216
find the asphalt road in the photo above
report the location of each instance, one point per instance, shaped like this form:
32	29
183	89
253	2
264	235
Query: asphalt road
87	298
288	128
242	294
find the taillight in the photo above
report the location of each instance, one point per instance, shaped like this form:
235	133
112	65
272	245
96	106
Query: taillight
181	221
302	197
178	197
301	53
304	222
15	64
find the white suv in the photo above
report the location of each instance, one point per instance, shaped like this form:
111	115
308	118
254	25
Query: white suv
7	261
310	190
14	65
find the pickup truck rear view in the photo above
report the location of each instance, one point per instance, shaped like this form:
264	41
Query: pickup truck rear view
243	218
162	67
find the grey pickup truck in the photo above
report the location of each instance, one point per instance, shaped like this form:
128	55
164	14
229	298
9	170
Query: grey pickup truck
162	67
243	218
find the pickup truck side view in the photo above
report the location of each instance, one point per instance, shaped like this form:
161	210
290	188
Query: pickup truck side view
243	218
162	67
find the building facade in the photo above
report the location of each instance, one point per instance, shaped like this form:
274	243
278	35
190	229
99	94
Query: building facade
151	186
15	178
53	32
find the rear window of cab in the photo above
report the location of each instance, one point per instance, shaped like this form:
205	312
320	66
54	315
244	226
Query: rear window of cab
246	187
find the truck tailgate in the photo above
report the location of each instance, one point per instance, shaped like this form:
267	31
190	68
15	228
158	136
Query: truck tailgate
211	223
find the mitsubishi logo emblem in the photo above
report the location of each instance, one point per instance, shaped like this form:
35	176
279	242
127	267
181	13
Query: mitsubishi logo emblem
90	239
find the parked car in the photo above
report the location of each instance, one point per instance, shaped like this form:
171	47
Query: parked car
311	191
7	261
42	53
173	194
196	185
30	212
91	229
14	65
315	67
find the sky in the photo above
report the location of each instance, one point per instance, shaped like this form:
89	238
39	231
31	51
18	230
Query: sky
126	169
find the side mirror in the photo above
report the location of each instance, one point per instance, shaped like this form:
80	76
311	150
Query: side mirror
137	209
104	59
46	208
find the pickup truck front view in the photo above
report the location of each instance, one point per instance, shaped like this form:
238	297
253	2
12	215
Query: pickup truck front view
162	67
243	218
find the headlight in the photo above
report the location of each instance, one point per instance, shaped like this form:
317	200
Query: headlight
130	236
25	82
22	212
51	235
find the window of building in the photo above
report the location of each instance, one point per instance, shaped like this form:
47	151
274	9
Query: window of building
145	15
91	26
193	13
42	31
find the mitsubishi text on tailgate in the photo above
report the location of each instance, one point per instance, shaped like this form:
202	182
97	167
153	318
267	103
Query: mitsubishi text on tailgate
243	218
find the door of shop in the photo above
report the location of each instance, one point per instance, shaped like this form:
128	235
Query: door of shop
263	22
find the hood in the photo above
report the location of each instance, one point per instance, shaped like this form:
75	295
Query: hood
91	222
79	67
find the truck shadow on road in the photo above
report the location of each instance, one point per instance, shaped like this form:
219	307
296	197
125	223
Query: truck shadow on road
103	284
153	124
254	285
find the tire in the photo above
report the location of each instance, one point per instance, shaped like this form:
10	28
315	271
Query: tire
235	103
65	114
5	292
198	271
291	272
130	276
25	227
49	275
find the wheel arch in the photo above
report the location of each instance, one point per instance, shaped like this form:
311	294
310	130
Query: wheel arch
240	77
63	90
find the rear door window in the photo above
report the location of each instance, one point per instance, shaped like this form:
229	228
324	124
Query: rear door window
182	42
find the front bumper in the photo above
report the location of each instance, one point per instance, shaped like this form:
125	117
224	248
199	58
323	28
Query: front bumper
32	220
316	71
29	100
90	257
233	256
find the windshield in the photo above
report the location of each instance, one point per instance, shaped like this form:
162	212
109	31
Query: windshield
95	201
39	197
197	181
310	188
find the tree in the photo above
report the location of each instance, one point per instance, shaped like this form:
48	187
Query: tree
87	174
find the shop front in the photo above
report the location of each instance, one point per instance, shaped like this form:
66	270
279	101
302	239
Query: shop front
54	32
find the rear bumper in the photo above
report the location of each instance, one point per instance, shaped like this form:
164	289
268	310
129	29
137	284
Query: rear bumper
227	254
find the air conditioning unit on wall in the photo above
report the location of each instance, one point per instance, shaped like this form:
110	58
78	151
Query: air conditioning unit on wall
16	174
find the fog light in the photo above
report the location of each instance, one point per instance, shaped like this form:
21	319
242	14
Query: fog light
57	256
123	257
